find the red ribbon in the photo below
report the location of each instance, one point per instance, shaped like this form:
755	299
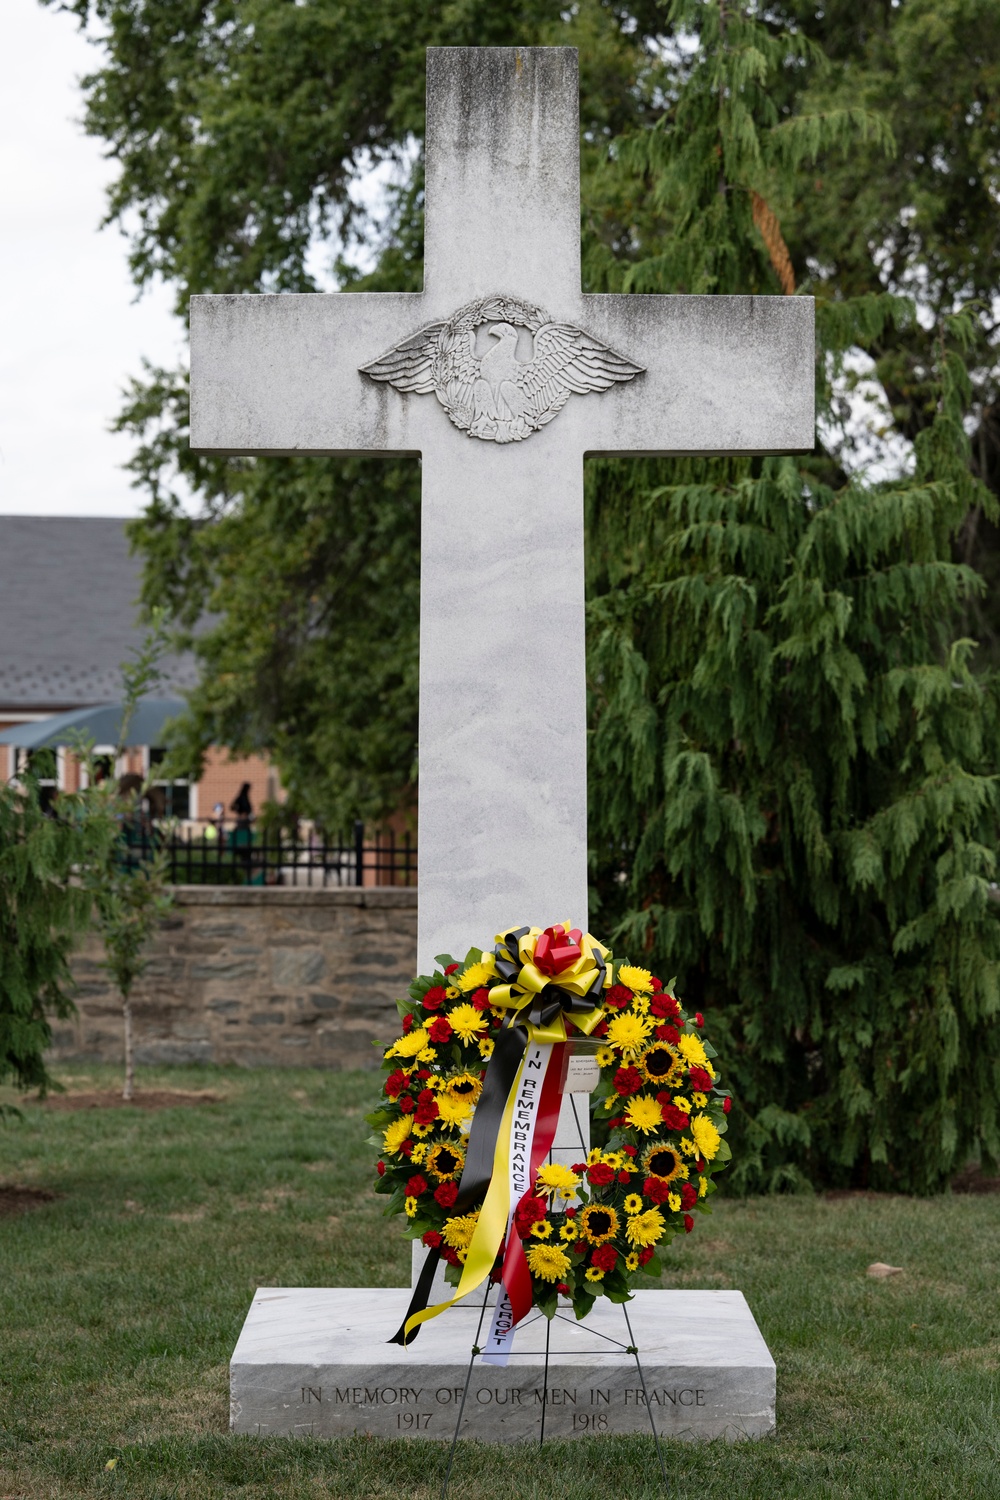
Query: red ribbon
516	1275
556	949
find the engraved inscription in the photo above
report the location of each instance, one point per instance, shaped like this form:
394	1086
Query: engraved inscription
505	383
410	1409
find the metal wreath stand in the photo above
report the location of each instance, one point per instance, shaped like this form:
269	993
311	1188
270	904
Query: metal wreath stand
630	1348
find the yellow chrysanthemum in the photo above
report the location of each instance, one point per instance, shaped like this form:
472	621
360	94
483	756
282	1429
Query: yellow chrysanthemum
646	1229
702	1187
636	979
644	1114
458	1232
445	1161
542	1229
640	1005
410	1044
662	1161
627	1033
605	1056
486	1047
410	1206
706	1137
598	1223
467	1022
453	1111
395	1134
610	1102
547	1262
555	1180
568	1232
674	1202
633	1204
632	1262
693	1052
476	975
700	1100
594	1273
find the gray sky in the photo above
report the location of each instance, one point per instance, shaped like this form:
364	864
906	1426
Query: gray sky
70	331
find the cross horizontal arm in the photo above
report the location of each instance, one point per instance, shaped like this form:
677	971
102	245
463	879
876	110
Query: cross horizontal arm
723	375
281	374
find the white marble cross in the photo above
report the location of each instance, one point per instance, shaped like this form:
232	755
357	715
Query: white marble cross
501	374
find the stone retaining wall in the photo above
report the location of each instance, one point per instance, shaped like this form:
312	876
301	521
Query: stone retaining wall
259	977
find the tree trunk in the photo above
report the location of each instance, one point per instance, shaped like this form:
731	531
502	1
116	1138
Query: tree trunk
129	1066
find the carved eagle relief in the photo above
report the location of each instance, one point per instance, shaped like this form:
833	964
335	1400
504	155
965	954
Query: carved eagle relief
495	395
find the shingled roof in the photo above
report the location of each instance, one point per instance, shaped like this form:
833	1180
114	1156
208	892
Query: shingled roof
68	614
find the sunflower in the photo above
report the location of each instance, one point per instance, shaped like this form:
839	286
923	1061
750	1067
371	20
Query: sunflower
627	1033
605	1056
467	1022
700	1100
644	1114
635	979
674	1202
410	1044
680	1102
688	1146
568	1232
556	1181
410	1205
425	1129
466	1086
476	975
657	1064
706	1137
702	1187
632	1262
458	1232
547	1262
445	1162
396	1133
693	1053
662	1161
427	1055
633	1204
542	1229
418	1153
598	1223
486	1048
594	1273
646	1229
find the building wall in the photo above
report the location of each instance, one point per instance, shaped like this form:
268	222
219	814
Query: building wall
257	976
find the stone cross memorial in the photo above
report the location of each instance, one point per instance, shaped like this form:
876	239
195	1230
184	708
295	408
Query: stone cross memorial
501	375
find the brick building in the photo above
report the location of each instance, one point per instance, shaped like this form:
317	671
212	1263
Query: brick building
68	619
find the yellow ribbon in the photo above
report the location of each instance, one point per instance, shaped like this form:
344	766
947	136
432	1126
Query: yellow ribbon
578	979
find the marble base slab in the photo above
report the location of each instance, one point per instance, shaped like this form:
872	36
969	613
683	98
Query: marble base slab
315	1362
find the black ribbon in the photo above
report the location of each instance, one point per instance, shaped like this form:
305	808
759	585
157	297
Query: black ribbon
501	1070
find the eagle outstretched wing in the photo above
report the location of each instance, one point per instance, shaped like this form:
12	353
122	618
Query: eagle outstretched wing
568	362
409	366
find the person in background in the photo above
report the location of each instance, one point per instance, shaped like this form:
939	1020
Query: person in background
241	805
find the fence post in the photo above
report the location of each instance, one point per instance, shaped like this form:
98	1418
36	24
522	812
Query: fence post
359	852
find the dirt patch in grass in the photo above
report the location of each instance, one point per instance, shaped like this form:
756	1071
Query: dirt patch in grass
112	1099
972	1180
15	1199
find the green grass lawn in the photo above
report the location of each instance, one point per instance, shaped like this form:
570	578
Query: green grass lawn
121	1300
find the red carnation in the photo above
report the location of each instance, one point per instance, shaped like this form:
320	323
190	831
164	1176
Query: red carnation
562	1289
395	1083
432	1239
406	1147
668	1034
427	1111
451	1256
571	1213
646	1255
618	1120
656	1190
407	1023
424	1073
629	1150
481	999
600	1174
657	984
628	1081
529	1211
673	1118
380	1168
699	1019
416	1186
406	1104
579	1166
688	1223
700	1080
440	1029
727	1105
580	1247
601	1029
604	1257
446	1194
453	968
618	997
689	1195
435	997
623	1177
665	1007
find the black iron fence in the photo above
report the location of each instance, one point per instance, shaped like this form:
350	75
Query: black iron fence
241	853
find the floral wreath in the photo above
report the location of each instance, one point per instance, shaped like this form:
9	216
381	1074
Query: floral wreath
658	1121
